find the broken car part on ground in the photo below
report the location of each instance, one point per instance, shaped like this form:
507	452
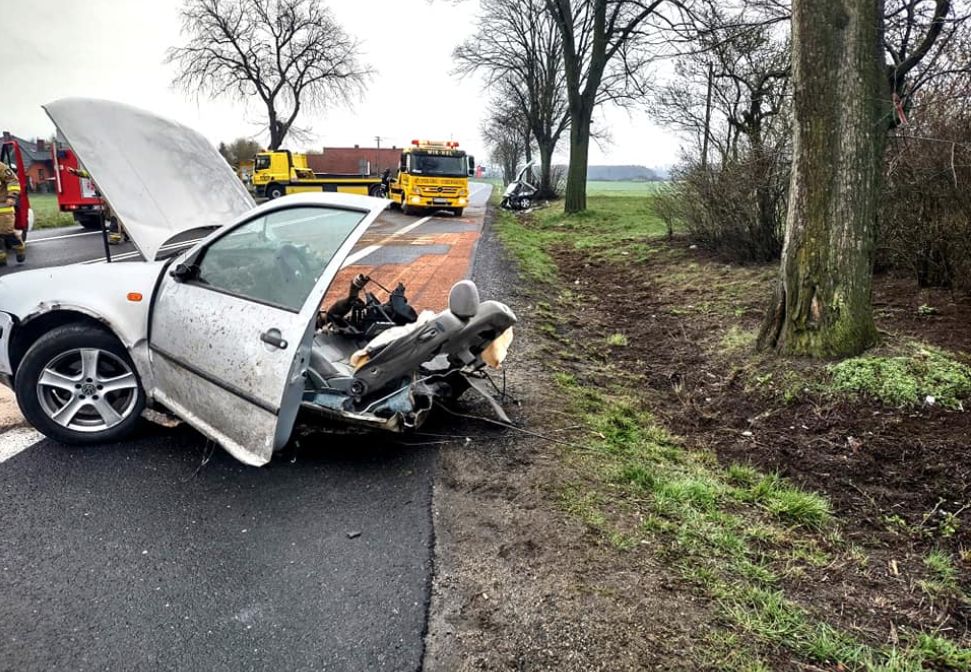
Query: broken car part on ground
224	335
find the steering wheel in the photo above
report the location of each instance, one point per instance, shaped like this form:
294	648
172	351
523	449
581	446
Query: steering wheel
293	264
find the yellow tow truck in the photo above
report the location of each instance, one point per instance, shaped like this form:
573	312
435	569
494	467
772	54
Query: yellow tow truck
282	172
432	176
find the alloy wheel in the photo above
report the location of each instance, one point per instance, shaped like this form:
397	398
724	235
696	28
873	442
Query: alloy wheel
87	390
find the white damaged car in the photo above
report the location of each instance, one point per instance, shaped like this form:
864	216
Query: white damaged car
227	335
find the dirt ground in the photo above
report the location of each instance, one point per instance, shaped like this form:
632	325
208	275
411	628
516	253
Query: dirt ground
891	474
521	584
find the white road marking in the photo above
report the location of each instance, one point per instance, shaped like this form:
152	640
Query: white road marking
16	440
47	239
360	254
132	255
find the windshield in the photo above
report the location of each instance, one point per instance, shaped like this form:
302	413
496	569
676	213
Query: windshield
262	162
446	166
278	258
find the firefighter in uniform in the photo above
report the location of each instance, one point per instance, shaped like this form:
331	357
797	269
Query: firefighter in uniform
10	237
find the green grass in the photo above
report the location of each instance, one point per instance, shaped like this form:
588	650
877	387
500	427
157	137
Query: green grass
616	227
907	379
46	213
611	188
943	581
617	340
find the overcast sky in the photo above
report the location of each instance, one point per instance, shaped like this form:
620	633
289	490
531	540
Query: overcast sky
115	49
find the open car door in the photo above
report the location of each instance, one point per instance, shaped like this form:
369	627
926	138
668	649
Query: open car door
10	155
233	322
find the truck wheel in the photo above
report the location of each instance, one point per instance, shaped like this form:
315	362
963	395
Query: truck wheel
377	191
411	209
92	223
457	211
78	385
274	191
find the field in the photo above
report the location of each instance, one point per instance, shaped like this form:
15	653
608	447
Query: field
46	214
603	188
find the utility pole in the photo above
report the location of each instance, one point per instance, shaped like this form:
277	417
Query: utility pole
377	139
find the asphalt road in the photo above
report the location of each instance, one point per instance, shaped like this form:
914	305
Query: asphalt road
75	244
144	555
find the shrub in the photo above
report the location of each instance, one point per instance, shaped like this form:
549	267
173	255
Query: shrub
925	220
735	208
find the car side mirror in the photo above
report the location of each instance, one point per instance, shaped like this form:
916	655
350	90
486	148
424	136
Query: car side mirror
471	166
184	272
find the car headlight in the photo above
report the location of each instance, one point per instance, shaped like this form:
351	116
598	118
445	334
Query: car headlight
416	199
461	201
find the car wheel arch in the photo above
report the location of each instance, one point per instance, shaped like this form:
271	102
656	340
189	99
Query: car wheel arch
35	325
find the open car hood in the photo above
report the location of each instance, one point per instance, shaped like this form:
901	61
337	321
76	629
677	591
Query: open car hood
159	177
522	173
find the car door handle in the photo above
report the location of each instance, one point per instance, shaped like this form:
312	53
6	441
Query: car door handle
275	338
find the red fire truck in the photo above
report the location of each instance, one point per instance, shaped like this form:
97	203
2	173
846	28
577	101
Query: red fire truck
76	195
24	216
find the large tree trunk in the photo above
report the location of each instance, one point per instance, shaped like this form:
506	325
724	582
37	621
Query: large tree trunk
822	305
276	131
576	177
546	189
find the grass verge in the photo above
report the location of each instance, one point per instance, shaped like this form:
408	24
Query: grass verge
46	212
744	538
614	228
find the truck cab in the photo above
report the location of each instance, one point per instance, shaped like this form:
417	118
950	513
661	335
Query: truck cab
432	176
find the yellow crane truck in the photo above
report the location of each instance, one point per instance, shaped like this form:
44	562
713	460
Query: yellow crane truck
282	172
432	176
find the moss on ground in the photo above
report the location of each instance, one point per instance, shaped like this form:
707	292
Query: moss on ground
905	380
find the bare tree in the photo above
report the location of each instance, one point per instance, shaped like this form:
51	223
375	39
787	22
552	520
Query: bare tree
730	94
506	133
291	54
918	39
239	150
517	47
606	44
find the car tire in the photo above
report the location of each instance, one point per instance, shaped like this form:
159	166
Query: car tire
274	191
90	223
65	374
